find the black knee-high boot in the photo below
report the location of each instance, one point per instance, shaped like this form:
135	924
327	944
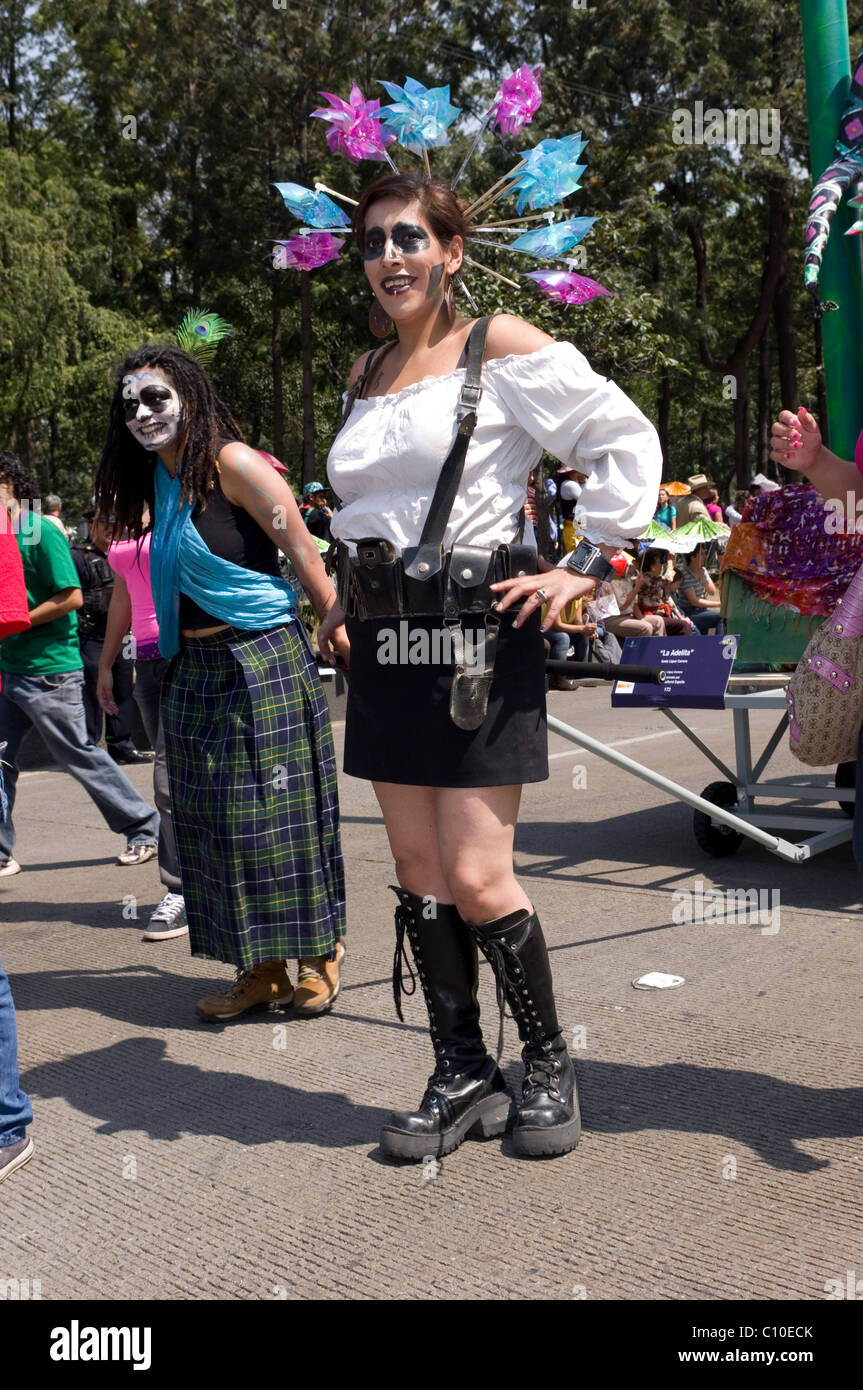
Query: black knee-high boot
466	1094
548	1121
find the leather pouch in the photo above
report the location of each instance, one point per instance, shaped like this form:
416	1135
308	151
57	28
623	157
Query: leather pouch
521	559
376	575
424	595
471	684
471	573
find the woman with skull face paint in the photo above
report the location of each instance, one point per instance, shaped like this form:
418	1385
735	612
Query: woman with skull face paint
449	743
247	733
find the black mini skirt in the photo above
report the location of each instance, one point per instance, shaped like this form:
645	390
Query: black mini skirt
398	725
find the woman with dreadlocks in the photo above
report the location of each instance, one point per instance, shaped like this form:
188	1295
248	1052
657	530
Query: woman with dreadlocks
248	740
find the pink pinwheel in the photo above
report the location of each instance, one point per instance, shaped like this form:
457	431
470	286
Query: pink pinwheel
355	129
565	286
306	252
518	99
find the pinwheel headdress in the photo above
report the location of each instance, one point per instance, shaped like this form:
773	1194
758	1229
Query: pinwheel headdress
845	171
418	119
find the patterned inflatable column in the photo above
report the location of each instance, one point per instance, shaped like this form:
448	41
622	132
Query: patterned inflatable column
834	266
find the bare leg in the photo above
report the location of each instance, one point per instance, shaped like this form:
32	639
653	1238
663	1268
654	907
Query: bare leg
410	818
476	829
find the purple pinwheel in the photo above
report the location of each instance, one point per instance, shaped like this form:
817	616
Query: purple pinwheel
554	240
315	209
518	99
306	252
565	286
355	129
418	116
550	172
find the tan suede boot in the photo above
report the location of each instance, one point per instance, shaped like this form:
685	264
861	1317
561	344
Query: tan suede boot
319	983
266	986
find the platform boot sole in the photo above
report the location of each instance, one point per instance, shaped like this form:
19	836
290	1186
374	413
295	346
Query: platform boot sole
550	1142
488	1118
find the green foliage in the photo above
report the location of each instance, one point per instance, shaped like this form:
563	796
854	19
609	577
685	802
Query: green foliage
139	141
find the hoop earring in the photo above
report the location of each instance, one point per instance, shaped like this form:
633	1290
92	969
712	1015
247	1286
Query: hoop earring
380	323
449	299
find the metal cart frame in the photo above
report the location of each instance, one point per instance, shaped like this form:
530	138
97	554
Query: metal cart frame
720	829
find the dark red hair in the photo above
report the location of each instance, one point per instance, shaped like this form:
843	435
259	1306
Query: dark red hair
447	214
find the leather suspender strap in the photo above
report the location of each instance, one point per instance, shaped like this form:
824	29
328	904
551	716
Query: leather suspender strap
356	390
425	559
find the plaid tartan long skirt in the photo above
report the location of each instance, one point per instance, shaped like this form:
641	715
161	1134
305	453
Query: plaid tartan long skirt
252	771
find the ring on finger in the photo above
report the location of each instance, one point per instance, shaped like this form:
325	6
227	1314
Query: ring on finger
541	595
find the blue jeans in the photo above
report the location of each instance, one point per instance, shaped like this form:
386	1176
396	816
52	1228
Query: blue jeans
55	705
560	643
15	1111
706	620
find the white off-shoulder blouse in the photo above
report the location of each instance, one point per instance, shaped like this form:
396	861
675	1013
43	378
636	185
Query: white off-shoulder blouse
384	463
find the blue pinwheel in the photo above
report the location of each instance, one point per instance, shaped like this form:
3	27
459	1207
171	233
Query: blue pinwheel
549	172
554	240
418	116
314	209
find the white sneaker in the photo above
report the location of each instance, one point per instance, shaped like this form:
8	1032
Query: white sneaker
138	852
9	866
168	919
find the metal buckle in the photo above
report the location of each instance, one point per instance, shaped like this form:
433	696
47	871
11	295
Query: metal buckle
470	396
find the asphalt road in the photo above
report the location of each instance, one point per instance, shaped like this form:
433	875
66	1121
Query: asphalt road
721	1155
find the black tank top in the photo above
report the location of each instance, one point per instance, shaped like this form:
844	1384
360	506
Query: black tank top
232	534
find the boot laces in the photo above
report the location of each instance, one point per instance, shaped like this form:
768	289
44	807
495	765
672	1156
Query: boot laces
542	1073
500	955
401	959
311	968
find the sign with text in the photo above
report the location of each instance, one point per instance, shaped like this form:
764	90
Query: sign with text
696	672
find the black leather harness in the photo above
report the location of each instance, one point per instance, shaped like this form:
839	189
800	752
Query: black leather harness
428	581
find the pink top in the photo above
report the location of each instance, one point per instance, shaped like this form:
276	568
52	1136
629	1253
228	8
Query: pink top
134	568
715	511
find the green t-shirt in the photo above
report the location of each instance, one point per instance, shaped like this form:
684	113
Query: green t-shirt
52	647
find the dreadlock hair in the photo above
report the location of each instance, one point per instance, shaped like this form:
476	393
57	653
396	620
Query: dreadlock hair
18	476
125	479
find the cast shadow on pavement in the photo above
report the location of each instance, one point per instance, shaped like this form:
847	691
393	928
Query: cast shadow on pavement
770	1116
132	1085
143	995
102	915
642	839
149	997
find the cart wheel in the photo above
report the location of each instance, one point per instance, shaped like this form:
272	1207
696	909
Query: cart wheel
846	776
718	840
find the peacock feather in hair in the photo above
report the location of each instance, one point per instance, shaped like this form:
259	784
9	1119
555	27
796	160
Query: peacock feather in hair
846	170
200	333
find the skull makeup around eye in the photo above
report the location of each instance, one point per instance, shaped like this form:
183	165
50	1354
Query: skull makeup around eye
407	237
152	408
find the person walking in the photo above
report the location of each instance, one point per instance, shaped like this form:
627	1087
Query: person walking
248	743
97	582
43	684
442	429
16	1113
132	606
